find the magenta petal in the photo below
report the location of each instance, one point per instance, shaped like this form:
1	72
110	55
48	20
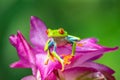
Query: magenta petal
51	76
106	71
23	48
63	50
13	40
45	70
95	57
101	68
29	78
20	64
38	35
78	73
90	44
80	58
85	73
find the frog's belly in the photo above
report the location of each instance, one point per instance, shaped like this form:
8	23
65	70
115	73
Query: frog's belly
60	41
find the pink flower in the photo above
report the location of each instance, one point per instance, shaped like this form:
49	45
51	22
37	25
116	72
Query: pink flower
81	66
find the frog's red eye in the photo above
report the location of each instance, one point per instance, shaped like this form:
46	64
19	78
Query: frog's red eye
61	31
47	31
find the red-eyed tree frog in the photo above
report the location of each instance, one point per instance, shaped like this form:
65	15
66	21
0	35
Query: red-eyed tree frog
57	38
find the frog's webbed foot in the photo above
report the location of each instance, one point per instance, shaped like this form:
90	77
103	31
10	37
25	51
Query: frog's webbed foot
67	59
50	57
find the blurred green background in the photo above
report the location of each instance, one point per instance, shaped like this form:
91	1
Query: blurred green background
83	18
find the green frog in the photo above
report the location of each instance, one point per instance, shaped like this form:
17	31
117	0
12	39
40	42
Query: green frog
59	37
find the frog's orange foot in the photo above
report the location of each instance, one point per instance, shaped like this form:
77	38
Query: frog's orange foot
46	61
80	44
51	57
67	59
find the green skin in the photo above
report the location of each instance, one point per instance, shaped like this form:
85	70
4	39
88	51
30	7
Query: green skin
57	39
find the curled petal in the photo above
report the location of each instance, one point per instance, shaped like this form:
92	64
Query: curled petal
107	72
38	35
78	73
20	64
13	40
24	50
84	73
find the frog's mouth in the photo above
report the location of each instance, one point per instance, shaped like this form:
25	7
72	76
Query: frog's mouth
56	36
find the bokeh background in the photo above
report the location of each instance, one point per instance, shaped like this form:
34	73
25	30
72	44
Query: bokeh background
83	18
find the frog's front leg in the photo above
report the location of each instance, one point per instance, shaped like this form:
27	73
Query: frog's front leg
48	44
73	40
73	48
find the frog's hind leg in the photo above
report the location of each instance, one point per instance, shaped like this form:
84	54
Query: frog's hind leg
59	59
47	59
54	53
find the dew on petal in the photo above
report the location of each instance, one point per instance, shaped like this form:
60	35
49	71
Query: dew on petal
99	76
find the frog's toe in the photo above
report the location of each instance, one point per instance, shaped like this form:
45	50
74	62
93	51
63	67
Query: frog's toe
46	61
62	64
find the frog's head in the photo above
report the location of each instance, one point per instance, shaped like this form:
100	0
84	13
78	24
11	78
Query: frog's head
56	33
